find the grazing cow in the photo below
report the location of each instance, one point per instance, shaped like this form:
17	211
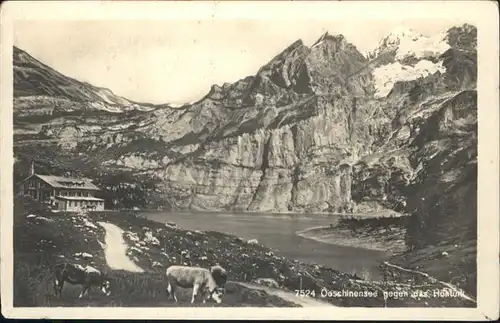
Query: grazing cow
200	279
78	275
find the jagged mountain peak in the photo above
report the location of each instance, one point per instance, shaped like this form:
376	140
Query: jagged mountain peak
400	32
321	68
462	37
334	43
320	39
296	70
329	37
465	28
299	43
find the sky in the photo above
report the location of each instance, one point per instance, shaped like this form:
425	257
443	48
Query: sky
177	61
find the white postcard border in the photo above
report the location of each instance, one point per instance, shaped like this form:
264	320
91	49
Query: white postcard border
484	14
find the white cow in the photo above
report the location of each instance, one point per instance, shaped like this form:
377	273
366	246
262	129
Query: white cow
200	279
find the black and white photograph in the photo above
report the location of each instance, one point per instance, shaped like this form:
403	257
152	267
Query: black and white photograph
244	155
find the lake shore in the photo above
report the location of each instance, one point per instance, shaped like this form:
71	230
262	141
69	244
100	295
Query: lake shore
279	233
367	233
378	214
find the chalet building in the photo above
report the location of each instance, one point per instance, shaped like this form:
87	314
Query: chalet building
64	193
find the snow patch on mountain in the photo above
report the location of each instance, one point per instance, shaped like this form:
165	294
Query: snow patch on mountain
421	47
176	105
181	105
103	107
387	75
120	126
407	43
107	96
144	109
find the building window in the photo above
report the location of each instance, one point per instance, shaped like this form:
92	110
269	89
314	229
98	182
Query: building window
69	203
79	193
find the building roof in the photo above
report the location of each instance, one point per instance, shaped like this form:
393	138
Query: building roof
68	182
78	198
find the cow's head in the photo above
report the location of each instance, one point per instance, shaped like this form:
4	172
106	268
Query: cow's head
216	295
106	287
219	274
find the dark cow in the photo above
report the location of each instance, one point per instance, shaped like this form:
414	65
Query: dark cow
78	275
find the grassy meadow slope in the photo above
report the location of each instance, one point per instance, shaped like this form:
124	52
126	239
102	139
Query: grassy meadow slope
40	243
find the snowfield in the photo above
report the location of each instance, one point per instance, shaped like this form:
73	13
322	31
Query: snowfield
408	43
386	76
405	43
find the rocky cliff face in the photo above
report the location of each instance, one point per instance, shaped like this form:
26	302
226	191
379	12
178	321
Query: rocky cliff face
319	128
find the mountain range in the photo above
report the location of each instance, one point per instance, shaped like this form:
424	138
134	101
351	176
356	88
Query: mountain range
321	128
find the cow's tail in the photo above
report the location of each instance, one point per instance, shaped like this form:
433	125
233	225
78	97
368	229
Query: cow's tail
58	272
57	277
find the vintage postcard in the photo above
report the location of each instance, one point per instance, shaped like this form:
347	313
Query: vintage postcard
250	160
